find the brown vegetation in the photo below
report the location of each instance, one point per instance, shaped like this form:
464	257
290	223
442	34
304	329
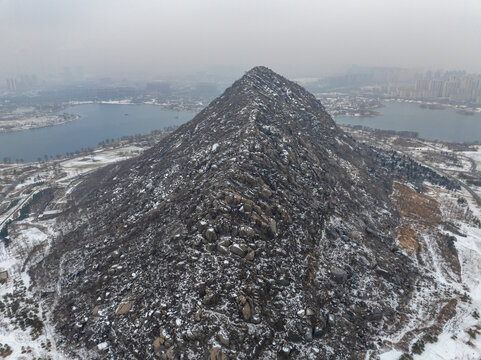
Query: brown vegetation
418	211
407	239
415	206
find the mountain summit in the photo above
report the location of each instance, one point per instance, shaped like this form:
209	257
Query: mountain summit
258	230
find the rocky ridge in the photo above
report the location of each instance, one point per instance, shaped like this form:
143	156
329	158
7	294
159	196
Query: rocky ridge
257	230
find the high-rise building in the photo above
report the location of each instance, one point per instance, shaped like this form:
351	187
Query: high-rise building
451	86
11	85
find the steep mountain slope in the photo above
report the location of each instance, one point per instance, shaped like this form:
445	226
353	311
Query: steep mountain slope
257	230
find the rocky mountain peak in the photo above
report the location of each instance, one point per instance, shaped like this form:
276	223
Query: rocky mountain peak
253	231
261	80
260	77
265	90
261	102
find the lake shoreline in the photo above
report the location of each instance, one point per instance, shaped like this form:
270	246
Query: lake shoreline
36	123
95	123
54	119
99	122
445	125
433	105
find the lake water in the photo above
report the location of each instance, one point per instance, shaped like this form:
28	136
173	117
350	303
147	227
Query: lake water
104	121
446	125
97	122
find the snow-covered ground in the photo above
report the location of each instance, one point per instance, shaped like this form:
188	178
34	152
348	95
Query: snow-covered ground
34	122
475	155
101	158
456	342
30	238
62	173
78	166
24	341
464	165
461	336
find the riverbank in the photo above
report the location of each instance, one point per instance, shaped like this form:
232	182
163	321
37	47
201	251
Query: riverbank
179	104
35	122
432	105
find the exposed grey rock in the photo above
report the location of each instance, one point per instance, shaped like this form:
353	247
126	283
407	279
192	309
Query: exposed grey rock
246	311
318	331
208	298
237	250
308	334
250	255
339	275
217	354
256	319
376	314
210	234
157	346
223	339
124	308
222	250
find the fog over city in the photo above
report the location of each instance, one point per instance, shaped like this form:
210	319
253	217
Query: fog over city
146	38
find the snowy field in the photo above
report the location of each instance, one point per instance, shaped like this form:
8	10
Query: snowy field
24	341
461	337
475	155
82	165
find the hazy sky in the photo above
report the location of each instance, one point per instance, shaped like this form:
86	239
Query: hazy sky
297	37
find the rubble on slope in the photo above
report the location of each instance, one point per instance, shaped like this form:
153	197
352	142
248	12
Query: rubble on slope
257	230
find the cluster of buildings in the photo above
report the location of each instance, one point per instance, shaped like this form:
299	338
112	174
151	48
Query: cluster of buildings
339	104
465	89
22	83
11	85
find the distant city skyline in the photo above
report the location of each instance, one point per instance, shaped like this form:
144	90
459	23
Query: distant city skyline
383	75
